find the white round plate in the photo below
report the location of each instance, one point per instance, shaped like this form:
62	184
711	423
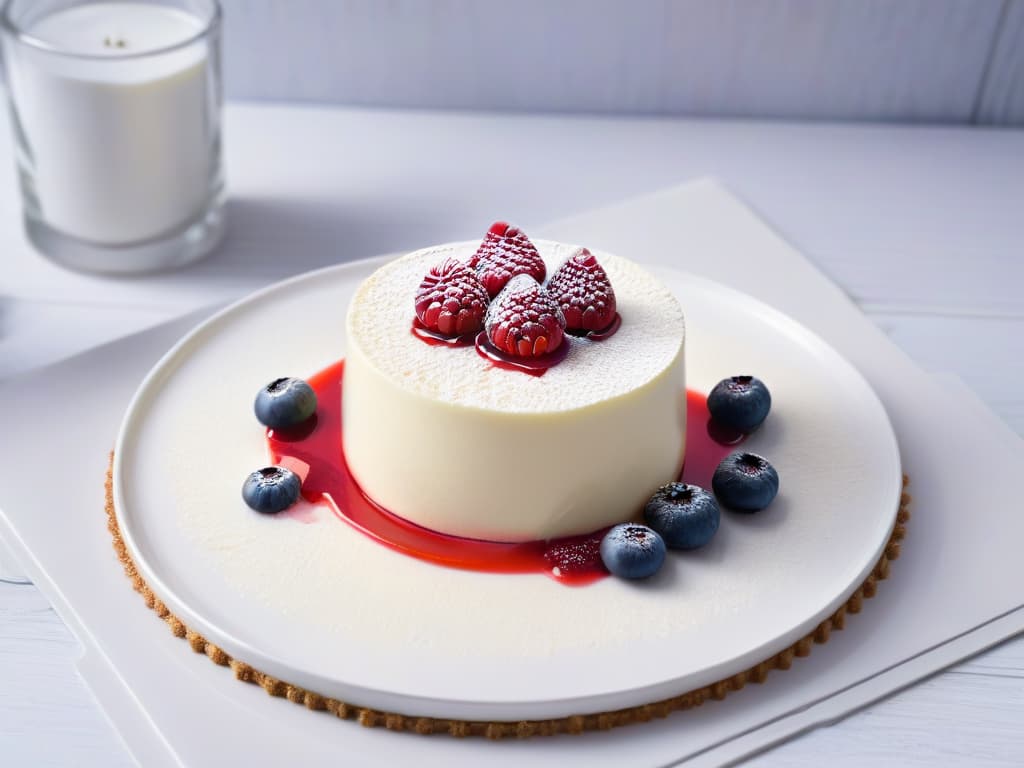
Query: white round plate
311	601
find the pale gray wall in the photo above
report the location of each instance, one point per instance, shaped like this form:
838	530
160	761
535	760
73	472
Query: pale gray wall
942	61
957	61
954	61
1001	100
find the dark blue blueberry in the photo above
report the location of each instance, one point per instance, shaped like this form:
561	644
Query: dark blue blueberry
285	403
740	402
745	482
271	489
632	551
686	516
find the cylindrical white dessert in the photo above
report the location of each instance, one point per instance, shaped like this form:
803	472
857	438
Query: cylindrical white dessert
441	437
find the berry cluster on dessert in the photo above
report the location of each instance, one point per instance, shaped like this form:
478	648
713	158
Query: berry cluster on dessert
498	298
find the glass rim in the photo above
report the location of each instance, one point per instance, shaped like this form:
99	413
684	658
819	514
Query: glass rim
9	27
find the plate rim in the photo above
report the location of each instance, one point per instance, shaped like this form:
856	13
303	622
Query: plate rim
423	705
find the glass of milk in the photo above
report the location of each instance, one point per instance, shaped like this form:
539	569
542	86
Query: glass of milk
115	108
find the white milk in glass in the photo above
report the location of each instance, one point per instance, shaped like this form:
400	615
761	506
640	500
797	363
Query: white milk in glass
121	151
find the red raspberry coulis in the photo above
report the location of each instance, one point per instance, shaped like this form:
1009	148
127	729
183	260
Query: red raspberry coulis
535	366
573	560
438	339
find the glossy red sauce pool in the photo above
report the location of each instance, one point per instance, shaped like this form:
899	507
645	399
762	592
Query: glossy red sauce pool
315	452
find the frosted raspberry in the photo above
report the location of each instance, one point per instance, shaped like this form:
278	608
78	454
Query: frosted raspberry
451	300
583	292
504	253
523	320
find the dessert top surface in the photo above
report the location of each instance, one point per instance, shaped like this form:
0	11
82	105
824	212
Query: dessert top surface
648	342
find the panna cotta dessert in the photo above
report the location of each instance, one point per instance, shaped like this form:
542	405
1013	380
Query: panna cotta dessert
446	422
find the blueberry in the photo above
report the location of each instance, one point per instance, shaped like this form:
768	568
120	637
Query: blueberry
632	551
686	516
745	482
285	402
740	402
271	489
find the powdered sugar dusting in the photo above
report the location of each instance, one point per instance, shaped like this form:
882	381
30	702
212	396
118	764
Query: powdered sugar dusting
648	341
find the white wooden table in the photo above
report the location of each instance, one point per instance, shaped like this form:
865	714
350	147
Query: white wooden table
922	226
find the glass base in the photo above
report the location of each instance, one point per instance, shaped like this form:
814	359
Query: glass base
170	252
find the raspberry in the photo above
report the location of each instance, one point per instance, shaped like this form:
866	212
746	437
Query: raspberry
504	253
451	300
583	292
524	321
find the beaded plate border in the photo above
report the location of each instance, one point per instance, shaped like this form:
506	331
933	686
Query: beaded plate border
526	728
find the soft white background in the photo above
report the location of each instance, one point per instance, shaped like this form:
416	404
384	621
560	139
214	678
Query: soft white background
921	226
